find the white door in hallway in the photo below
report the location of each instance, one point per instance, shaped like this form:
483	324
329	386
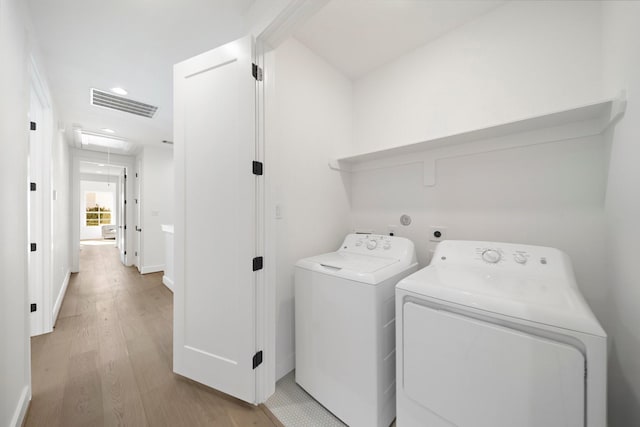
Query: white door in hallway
122	217
138	214
36	275
215	300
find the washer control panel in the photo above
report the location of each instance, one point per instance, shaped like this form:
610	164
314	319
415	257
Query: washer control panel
369	241
377	245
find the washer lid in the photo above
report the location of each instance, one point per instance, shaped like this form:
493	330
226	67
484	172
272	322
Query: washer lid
360	268
547	301
354	262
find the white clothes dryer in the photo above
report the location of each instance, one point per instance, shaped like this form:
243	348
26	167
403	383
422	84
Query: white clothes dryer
498	335
345	326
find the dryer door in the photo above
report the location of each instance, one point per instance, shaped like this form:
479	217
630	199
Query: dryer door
470	373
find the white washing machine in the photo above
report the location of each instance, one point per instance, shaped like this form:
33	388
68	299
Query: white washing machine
345	326
498	335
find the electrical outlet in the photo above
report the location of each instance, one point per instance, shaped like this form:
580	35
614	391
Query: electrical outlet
438	233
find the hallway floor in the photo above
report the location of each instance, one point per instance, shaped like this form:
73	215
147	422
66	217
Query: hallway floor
108	361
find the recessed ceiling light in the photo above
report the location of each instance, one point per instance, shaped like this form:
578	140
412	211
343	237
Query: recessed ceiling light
107	130
100	164
119	91
99	171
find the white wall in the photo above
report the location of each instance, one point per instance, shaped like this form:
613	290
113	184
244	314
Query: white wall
519	60
156	204
314	123
524	58
101	186
548	195
15	390
622	71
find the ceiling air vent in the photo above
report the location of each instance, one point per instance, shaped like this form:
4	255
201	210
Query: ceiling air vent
100	98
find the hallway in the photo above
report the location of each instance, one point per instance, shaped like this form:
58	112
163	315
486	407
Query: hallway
109	360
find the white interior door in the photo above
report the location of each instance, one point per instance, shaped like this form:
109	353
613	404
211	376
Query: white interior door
215	338
122	217
36	218
138	213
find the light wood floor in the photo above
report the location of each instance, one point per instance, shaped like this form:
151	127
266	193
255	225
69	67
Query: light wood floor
108	362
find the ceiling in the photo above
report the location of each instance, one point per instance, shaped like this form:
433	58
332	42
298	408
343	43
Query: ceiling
131	44
134	44
357	36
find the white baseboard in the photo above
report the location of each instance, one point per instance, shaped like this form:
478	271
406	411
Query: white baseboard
168	282
285	366
60	298
21	409
151	269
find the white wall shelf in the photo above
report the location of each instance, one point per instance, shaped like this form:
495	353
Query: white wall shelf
579	122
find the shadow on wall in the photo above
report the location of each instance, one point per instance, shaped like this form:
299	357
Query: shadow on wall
624	405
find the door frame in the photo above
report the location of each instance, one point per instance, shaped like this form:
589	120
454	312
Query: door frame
106	179
269	34
79	155
122	214
138	255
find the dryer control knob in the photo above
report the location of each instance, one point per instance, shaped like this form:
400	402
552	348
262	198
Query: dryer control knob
372	244
520	258
491	255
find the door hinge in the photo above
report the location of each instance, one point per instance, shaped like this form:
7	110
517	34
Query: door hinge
135	253
34	307
33	186
125	252
257	168
33	247
125	202
136	174
257	263
125	227
585	369
257	72
257	359
125	176
33	125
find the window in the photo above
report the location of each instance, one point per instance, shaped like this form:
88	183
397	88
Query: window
98	208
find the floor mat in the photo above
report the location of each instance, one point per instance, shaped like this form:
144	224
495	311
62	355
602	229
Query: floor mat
294	407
